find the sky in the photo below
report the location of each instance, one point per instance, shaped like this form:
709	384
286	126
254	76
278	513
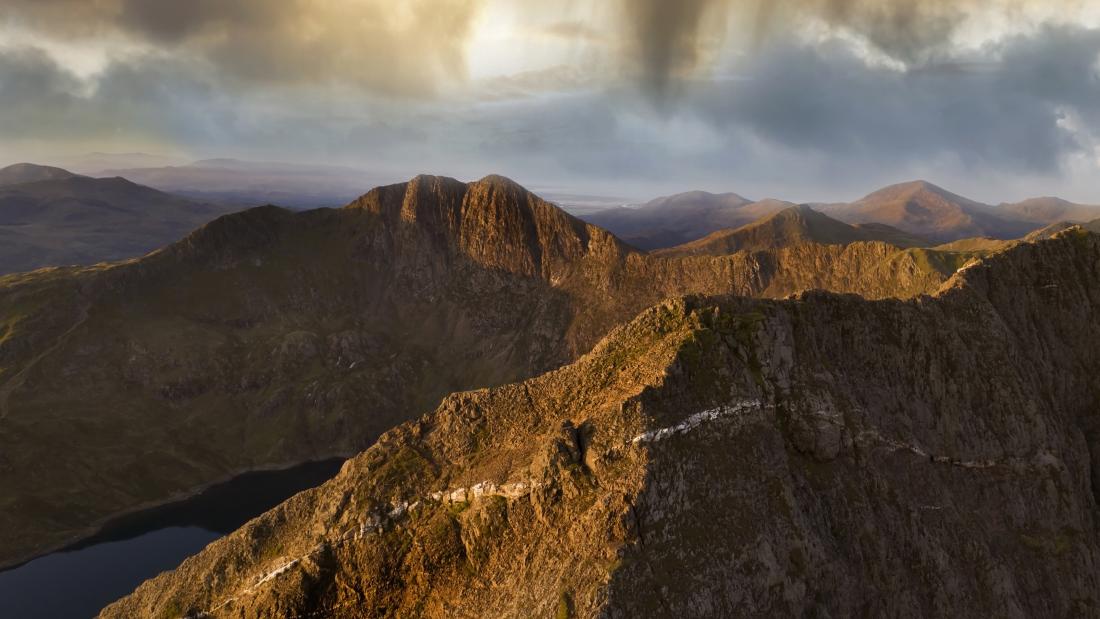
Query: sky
804	100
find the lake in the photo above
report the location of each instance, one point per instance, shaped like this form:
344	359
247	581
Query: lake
80	580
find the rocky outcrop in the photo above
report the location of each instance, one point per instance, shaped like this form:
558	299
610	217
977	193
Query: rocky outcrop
824	455
270	337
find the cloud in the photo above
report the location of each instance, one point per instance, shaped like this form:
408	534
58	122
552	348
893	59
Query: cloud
667	40
813	105
1006	115
669	43
407	49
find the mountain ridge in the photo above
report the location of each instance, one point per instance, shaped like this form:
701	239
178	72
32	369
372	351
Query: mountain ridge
704	439
52	217
793	225
205	351
918	208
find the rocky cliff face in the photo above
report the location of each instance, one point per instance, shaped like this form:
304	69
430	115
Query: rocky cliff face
269	337
820	456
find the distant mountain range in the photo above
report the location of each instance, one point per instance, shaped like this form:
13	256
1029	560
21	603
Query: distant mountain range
51	217
678	219
795	225
251	183
918	208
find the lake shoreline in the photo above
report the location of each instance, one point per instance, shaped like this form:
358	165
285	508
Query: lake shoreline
105	525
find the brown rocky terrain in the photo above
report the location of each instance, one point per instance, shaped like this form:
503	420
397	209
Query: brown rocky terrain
271	337
824	456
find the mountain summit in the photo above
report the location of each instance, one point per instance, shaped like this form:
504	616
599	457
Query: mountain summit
919	207
29	173
794	225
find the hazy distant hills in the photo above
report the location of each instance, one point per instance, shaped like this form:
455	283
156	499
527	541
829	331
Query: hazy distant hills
1046	210
250	183
918	208
30	173
52	217
678	219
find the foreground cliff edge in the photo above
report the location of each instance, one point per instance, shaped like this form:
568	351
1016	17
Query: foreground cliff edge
821	456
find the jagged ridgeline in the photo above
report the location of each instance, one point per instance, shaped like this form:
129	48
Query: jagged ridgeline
270	337
824	455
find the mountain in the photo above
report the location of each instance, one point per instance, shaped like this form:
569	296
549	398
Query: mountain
822	456
680	218
30	173
270	337
795	225
924	209
920	210
94	164
51	217
1049	210
249	183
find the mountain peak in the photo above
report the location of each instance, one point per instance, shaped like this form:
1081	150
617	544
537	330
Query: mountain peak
30	172
914	190
794	225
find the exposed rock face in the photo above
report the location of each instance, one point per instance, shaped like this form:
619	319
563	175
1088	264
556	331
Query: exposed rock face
819	456
269	337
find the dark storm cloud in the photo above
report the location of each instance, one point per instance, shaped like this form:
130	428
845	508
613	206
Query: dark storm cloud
157	98
1007	114
666	39
670	40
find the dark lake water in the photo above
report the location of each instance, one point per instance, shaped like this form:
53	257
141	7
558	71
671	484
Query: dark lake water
80	580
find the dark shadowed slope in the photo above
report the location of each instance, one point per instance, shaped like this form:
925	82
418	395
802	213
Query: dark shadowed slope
269	337
819	456
796	225
49	217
